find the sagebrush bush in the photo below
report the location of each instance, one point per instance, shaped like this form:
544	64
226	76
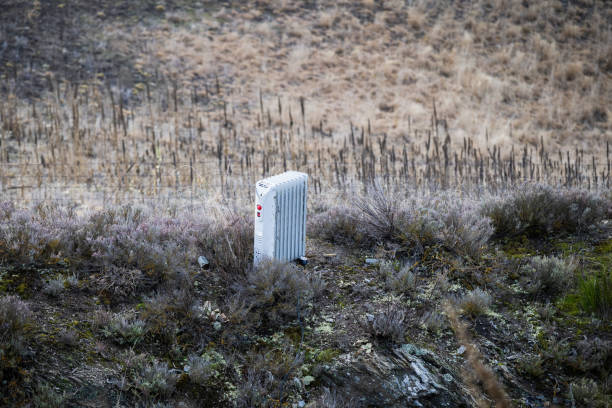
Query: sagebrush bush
126	238
421	220
593	354
14	317
388	324
47	397
402	281
229	242
588	393
15	320
537	210
155	379
279	291
125	329
339	224
269	376
119	283
166	311
55	286
382	215
203	369
475	302
547	277
464	229
434	321
255	390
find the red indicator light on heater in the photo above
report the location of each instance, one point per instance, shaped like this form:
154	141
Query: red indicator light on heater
259	207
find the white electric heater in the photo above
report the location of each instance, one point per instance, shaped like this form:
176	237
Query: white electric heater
280	217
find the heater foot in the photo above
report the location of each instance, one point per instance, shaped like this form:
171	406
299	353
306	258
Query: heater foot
302	260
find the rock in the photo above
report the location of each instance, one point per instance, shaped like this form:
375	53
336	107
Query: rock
405	376
460	350
372	261
203	262
217	326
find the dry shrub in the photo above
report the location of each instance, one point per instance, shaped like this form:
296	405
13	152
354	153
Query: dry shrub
382	215
279	292
571	31
572	70
387	325
268	380
400	282
434	321
230	243
125	329
14	317
422	220
588	393
474	302
592	354
119	283
537	210
416	19
168	312
464	229
154	379
339	225
127	238
547	277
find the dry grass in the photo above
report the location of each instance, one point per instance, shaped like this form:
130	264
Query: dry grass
220	97
480	371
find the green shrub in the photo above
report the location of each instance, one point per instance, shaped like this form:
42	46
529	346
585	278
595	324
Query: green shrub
595	294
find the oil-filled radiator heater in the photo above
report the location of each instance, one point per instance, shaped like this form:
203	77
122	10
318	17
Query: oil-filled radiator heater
280	217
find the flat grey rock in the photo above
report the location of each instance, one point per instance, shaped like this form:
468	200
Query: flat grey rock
404	376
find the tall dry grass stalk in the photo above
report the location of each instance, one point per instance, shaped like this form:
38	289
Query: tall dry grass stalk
490	384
